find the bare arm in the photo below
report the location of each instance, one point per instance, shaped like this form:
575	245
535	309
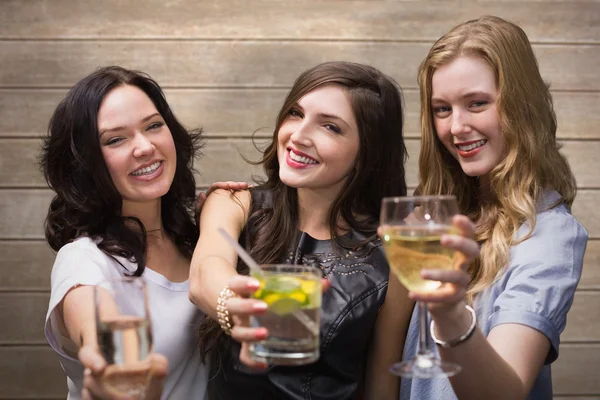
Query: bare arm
214	260
388	342
77	318
502	366
499	367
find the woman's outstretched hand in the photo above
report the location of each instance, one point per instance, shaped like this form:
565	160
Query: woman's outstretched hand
451	294
97	373
241	308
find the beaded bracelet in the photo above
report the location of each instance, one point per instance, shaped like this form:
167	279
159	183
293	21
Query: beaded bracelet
222	312
455	342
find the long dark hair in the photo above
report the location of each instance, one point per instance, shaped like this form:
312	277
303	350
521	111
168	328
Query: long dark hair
376	101
87	201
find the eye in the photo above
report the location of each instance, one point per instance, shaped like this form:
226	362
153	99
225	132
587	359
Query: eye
479	103
333	128
294	112
114	141
441	111
155	126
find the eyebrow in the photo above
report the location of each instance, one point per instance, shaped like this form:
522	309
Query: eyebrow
325	116
467	95
331	116
120	128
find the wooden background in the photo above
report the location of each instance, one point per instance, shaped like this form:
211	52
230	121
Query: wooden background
226	65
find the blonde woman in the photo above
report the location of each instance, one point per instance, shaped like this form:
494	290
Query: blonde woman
489	137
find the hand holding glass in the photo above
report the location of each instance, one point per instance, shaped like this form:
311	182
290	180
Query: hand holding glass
293	297
411	229
124	335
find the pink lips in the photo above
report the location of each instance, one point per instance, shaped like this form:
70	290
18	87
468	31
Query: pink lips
295	164
158	172
469	153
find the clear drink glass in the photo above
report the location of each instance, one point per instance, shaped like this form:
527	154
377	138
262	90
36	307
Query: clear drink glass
411	229
293	295
124	335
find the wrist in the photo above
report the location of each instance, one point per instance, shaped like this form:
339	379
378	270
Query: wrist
451	323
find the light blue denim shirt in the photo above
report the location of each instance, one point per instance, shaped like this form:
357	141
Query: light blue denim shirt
535	290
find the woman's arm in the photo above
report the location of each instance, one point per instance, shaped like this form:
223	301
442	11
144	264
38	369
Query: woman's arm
214	260
76	318
387	344
528	315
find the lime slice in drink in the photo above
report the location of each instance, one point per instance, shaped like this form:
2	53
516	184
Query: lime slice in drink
282	284
299	297
284	305
308	287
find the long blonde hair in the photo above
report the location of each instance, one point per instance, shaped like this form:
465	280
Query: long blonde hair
532	162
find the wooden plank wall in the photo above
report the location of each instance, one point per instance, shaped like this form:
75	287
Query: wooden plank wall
226	65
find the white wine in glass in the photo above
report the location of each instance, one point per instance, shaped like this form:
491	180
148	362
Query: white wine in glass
124	335
411	229
411	249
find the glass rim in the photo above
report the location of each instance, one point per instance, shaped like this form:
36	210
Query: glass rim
398	199
290	268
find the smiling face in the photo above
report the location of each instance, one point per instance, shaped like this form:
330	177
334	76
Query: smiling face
465	114
137	145
318	141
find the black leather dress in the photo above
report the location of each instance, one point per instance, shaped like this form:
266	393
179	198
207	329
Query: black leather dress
359	280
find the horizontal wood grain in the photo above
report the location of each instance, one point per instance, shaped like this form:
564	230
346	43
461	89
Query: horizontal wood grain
222	159
559	21
34	372
31	373
23	210
252	63
240	112
22	318
576	370
26	265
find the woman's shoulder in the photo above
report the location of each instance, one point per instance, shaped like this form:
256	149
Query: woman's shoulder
554	220
557	239
83	256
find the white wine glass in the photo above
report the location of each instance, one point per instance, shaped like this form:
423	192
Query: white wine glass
124	335
411	229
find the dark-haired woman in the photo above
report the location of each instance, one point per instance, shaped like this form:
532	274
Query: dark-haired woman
121	166
337	150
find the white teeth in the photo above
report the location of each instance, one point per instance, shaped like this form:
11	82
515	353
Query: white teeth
147	170
301	159
472	146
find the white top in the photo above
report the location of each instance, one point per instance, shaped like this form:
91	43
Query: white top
175	320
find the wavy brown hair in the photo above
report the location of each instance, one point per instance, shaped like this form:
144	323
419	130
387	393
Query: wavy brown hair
87	201
376	101
532	163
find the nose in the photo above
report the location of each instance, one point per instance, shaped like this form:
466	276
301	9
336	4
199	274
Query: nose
460	122
142	146
301	134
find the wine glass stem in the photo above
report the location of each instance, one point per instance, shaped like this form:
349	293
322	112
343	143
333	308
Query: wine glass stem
424	340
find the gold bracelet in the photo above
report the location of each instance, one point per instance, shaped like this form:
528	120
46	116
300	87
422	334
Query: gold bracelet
464	337
222	312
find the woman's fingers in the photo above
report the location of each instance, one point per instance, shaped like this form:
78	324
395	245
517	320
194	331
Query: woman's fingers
241	306
454	276
248	361
468	248
243	285
158	373
465	225
453	288
243	333
325	284
91	358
